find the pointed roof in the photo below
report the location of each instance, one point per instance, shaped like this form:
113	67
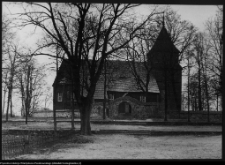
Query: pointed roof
164	43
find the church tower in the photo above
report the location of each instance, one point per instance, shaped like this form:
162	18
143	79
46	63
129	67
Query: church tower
164	59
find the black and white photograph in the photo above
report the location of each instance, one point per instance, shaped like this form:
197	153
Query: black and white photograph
111	81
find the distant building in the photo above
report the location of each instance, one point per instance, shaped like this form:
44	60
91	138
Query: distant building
124	98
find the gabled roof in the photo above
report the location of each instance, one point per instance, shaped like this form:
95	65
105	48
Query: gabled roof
120	79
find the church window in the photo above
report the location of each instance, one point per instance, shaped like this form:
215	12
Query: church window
143	99
111	96
60	97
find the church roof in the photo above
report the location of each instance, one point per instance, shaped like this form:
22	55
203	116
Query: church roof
164	43
120	78
124	80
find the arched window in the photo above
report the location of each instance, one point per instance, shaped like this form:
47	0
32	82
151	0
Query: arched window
124	107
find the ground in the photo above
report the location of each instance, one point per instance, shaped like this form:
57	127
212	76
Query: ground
117	146
136	147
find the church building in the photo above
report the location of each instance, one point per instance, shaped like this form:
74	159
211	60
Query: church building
124	98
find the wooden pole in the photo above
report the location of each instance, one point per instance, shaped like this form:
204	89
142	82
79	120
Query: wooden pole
27	95
72	112
104	102
217	101
54	93
188	91
54	109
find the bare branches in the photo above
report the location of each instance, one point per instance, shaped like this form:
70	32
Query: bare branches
87	34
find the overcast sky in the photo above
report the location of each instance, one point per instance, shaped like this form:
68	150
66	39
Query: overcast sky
196	14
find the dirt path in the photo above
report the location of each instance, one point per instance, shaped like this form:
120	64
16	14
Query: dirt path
137	147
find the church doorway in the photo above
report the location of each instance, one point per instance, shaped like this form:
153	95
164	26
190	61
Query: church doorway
124	107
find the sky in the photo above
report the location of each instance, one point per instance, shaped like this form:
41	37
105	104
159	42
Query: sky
196	14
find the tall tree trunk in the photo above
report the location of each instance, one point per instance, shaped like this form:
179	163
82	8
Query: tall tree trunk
166	97
188	102
54	108
54	93
22	96
199	91
33	104
45	101
188	91
8	102
30	93
207	96
72	114
85	119
23	108
192	104
217	101
4	95
11	111
63	97
195	104
27	95
11	103
73	107
104	102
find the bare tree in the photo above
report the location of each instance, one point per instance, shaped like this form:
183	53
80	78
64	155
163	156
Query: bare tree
199	47
190	64
4	88
202	58
30	84
214	29
7	47
207	50
85	32
11	63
